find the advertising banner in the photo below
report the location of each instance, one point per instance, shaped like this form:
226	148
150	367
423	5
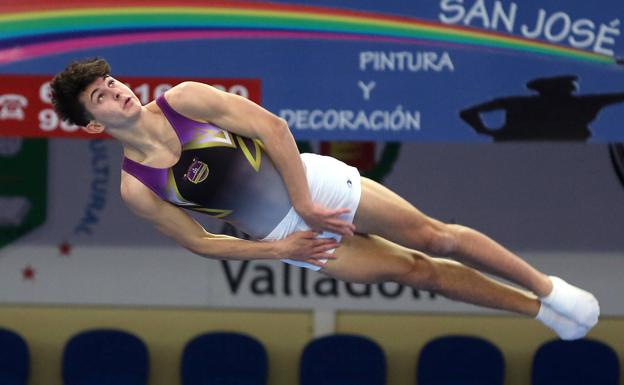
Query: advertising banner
429	71
93	250
388	86
26	105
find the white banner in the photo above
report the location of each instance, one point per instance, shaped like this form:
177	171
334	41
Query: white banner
559	206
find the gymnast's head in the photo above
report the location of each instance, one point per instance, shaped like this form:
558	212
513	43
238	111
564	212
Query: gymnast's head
85	94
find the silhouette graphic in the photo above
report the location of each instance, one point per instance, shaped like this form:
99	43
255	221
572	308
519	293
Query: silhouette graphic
555	113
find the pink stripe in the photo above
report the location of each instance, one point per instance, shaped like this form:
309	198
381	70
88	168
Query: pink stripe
36	50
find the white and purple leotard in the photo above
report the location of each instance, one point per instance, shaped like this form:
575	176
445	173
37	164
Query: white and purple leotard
219	173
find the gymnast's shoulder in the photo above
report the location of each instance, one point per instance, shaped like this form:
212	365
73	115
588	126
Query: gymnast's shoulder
138	197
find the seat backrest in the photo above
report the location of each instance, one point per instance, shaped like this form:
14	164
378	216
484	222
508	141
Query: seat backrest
14	358
463	360
224	358
342	359
105	357
579	362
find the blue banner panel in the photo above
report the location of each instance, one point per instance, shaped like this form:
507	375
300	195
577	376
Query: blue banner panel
424	71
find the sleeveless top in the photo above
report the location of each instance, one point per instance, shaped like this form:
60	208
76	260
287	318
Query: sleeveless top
224	175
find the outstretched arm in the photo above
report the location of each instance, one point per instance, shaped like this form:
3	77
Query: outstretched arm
473	118
606	99
241	116
178	225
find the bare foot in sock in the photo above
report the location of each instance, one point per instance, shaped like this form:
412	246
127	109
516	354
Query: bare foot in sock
565	328
573	302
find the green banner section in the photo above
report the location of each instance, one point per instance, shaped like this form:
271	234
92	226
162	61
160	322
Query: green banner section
23	186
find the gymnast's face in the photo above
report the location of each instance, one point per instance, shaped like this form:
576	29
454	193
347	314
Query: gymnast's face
110	103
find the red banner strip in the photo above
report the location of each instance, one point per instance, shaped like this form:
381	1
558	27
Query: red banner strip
26	109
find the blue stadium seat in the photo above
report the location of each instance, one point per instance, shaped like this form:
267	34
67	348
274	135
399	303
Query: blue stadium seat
462	360
580	362
14	359
105	357
342	360
224	358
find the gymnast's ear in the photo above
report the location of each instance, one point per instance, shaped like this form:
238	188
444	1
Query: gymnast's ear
94	127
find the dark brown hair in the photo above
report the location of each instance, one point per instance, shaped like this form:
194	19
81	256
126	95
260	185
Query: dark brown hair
67	86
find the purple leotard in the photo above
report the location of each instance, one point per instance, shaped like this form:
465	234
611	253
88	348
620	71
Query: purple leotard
219	173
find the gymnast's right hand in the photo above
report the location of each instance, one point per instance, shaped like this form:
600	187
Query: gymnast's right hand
305	246
321	219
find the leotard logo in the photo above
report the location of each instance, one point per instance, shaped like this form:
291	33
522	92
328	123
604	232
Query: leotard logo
197	172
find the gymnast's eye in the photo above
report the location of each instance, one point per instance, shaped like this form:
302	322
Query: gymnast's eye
111	82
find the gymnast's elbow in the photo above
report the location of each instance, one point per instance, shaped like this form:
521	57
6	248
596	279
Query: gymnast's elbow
201	246
277	125
196	245
277	129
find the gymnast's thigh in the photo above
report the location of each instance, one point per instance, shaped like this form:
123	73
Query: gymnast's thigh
369	259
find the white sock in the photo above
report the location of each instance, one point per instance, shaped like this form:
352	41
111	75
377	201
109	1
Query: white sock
565	328
572	302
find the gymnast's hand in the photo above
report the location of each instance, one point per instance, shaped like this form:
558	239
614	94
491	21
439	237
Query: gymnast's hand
305	246
321	219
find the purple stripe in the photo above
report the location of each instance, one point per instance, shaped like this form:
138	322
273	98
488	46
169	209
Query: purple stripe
154	178
184	127
33	51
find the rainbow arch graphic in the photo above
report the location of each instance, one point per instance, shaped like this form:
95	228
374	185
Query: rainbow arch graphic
35	29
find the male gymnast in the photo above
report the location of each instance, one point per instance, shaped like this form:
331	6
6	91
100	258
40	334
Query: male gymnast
202	149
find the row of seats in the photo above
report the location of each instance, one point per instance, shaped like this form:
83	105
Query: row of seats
107	357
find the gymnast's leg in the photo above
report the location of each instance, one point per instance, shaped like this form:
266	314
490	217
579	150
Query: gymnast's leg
384	213
371	259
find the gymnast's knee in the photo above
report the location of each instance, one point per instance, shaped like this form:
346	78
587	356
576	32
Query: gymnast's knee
442	239
422	273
